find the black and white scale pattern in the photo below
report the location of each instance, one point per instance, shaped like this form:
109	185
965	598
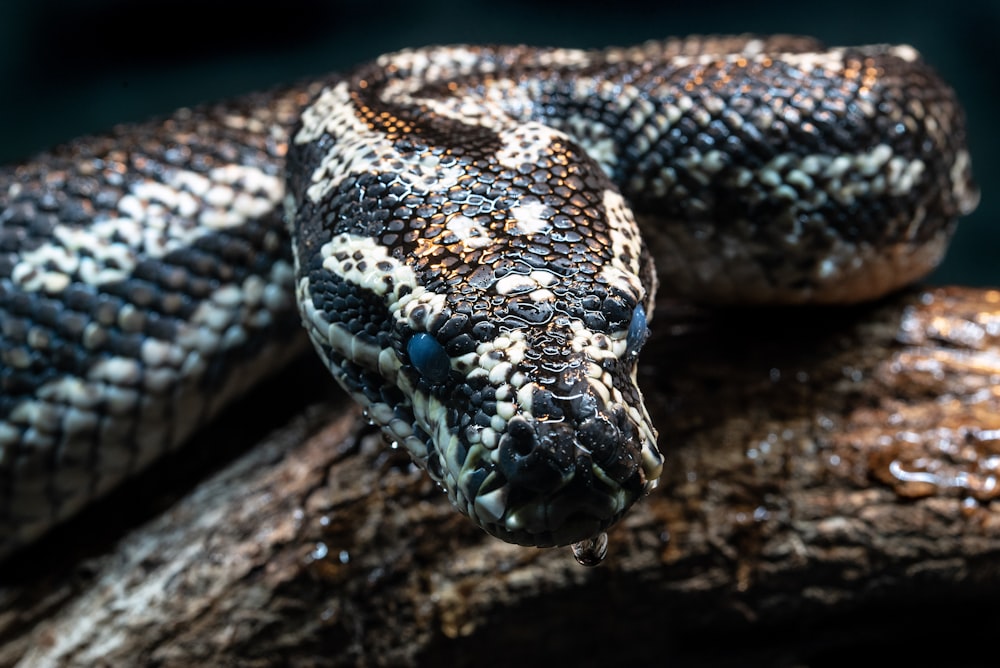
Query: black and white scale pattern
477	206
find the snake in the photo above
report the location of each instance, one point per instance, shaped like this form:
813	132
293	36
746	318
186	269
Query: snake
473	238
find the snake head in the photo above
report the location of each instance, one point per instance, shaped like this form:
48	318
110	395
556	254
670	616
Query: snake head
481	288
539	433
570	461
515	390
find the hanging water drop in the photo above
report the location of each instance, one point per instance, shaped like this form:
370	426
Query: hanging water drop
592	551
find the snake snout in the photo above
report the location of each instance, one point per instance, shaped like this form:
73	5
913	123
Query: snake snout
545	456
568	478
537	457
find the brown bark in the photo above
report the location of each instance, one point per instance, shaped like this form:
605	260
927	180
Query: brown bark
830	483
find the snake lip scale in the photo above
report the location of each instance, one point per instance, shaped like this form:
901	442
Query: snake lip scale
468	235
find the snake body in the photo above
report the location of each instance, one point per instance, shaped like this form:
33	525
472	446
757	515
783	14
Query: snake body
468	238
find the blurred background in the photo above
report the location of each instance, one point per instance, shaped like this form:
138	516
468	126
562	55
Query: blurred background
69	67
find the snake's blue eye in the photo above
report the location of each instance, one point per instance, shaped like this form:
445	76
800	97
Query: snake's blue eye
637	332
429	357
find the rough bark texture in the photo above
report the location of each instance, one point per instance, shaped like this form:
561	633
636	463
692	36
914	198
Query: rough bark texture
829	490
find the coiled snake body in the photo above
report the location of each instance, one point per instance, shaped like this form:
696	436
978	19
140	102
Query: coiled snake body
463	249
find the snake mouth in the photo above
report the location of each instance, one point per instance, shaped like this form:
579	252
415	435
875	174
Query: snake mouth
556	484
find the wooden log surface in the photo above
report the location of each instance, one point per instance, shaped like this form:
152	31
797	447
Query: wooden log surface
829	489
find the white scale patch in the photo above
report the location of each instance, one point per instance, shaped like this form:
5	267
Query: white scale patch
469	110
370	274
527	144
153	219
831	60
968	197
531	217
469	233
905	52
434	64
565	58
534	283
449	64
847	176
624	236
125	403
596	138
360	150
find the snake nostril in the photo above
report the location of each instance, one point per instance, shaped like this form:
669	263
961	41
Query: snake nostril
533	460
520	439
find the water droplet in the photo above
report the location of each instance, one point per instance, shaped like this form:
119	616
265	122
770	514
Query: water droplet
592	551
344	556
319	552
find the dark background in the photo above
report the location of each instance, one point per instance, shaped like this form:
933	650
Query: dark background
69	67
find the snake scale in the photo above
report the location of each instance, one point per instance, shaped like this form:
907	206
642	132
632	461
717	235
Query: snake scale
468	235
